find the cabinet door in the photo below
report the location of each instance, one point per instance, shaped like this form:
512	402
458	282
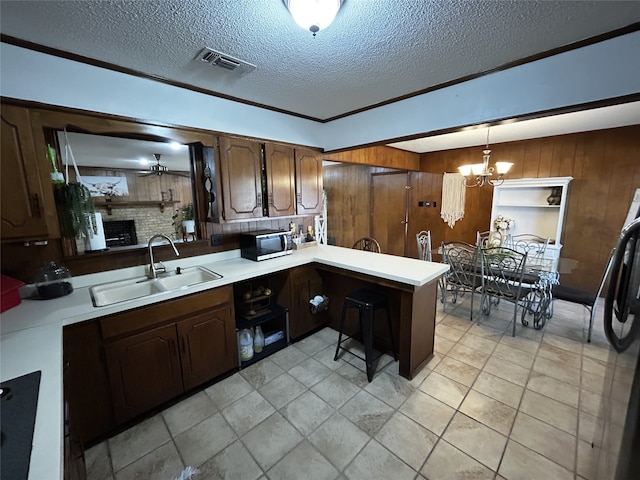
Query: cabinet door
241	171
208	346
280	167
23	203
305	284
144	371
308	182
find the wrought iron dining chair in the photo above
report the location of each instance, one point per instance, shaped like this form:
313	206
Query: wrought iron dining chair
464	273
502	279
490	238
424	245
533	245
588	299
368	244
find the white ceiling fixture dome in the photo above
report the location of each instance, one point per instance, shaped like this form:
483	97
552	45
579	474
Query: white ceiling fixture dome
313	15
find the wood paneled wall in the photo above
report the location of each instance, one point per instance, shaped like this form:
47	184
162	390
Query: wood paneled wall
380	156
604	164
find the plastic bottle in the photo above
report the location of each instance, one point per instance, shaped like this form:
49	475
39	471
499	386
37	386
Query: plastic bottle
245	343
258	340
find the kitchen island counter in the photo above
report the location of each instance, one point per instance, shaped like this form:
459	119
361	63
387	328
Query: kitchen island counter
31	333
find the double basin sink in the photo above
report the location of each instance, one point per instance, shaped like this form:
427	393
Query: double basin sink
132	288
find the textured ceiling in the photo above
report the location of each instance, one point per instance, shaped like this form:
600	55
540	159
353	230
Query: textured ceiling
375	50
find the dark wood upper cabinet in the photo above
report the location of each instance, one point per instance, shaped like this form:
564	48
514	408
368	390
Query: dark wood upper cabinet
308	182
280	175
241	172
27	196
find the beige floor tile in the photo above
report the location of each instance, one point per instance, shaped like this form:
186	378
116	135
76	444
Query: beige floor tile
307	412
446	462
247	412
588	425
444	389
586	465
468	355
478	342
521	463
261	373
450	333
488	411
551	411
507	371
476	440
310	371
325	357
339	440
410	441
358	374
234	462
328	334
442	345
306	462
98	462
271	440
596	367
375	461
486	332
591	403
520	343
282	390
391	389
204	440
229	390
335	390
592	382
498	388
557	370
367	412
513	355
137	441
187	413
455	322
289	357
427	411
571	345
457	371
163	462
550	387
559	355
312	345
544	439
597	352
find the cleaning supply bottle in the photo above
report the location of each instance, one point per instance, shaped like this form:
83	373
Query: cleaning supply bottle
245	344
258	340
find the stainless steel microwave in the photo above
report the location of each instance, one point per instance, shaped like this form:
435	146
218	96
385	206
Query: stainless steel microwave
264	244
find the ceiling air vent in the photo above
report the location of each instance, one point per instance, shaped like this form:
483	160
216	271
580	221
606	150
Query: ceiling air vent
222	60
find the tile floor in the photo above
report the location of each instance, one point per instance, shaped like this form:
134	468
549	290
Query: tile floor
486	406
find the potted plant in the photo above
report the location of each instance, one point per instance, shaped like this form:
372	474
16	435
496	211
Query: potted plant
184	216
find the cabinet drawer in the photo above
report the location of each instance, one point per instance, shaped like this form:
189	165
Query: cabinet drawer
153	315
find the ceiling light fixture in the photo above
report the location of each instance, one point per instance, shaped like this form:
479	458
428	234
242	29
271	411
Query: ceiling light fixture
483	172
313	15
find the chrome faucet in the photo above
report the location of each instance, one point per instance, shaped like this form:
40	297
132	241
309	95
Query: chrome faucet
155	268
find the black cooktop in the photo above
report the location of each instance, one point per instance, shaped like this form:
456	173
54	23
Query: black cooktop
18	403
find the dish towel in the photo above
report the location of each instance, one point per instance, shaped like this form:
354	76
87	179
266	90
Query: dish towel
453	198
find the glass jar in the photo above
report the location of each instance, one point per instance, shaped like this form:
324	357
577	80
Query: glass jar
53	281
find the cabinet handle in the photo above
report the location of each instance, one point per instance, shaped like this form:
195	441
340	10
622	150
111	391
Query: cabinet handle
270	199
299	197
184	345
259	199
172	345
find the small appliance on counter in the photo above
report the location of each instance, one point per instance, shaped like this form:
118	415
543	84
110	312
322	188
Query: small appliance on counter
10	292
53	281
264	244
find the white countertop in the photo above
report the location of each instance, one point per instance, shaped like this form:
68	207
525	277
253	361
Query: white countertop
31	333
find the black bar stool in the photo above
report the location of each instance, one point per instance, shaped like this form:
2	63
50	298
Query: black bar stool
367	302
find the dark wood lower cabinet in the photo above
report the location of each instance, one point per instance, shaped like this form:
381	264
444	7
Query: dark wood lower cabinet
144	370
208	346
303	283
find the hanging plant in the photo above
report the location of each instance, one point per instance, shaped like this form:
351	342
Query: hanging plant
74	203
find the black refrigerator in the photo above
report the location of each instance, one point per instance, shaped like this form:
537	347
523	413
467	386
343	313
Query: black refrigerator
616	443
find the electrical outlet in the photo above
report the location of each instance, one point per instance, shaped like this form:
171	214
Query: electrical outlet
216	239
427	204
421	204
434	204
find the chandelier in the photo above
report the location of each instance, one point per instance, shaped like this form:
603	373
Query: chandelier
313	15
483	172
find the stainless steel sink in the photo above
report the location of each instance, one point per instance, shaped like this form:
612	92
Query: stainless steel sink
132	288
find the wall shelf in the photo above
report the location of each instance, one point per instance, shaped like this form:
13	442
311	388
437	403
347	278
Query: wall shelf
109	205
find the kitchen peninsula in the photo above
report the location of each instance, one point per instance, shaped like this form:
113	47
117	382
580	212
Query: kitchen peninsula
31	334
